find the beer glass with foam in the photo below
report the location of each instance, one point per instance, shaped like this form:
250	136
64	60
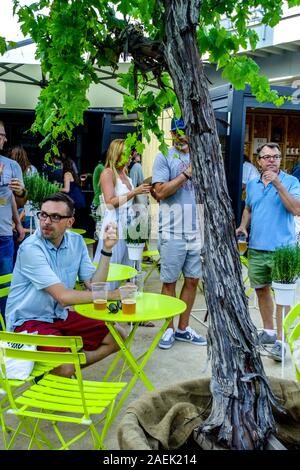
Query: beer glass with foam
128	295
99	292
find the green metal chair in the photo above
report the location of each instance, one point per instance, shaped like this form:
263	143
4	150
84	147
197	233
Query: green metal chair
15	387
39	370
291	317
57	399
245	263
294	336
155	263
292	332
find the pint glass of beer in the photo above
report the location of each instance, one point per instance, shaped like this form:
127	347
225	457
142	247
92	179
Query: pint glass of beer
242	243
128	295
99	292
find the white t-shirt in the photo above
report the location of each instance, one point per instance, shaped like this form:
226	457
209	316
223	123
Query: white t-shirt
297	225
249	172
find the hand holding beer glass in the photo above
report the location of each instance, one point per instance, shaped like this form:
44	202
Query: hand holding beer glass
242	243
128	295
99	292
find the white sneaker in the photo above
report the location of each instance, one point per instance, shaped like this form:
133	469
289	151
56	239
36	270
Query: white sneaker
167	340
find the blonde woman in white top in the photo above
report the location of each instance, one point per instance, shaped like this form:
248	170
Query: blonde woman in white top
118	194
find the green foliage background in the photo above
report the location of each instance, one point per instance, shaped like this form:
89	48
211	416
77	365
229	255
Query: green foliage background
74	36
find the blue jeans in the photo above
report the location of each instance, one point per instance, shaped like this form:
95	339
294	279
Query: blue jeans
6	264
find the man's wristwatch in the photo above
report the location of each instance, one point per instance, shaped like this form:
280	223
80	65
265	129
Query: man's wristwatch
106	253
186	175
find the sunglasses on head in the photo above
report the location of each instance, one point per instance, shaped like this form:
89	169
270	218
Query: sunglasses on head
115	307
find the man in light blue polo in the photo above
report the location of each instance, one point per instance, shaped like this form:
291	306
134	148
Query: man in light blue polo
42	288
179	234
273	199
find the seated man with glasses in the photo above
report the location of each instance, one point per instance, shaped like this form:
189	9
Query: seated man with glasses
272	201
45	273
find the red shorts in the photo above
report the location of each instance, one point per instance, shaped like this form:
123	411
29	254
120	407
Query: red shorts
92	331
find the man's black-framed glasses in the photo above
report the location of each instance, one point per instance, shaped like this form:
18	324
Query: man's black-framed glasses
115	307
42	215
268	157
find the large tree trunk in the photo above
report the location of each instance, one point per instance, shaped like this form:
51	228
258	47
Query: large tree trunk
241	420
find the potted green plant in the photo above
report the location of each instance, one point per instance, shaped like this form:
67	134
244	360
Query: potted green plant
39	187
285	272
136	233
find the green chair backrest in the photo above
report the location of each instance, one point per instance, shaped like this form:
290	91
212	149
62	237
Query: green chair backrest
5	278
4	291
244	261
290	318
73	343
294	335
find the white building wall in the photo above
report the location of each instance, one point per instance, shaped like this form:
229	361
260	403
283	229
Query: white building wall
24	96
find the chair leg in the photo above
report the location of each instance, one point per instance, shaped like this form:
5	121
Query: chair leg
97	438
45	439
107	424
5	429
150	271
65	445
32	439
31	432
15	434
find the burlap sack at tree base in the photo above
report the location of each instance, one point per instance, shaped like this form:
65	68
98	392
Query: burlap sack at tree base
165	418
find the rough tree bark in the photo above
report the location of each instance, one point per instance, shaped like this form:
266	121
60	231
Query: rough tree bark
240	420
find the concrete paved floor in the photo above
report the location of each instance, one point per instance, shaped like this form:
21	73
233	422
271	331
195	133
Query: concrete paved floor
182	362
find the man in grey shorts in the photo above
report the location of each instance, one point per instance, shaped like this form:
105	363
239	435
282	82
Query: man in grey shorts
179	238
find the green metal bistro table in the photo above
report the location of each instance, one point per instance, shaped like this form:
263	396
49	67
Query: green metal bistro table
89	241
148	307
80	231
119	272
116	272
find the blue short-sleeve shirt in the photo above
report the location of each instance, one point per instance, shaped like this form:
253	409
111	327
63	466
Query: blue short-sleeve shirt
272	225
40	265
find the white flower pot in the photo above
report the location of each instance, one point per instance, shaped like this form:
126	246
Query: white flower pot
135	251
284	293
30	209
